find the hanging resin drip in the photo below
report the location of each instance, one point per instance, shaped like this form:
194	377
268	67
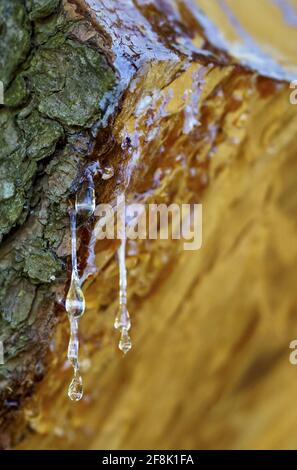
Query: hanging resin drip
75	307
85	202
122	321
75	301
75	389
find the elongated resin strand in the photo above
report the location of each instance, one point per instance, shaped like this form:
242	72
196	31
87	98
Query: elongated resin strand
75	307
122	320
75	389
75	301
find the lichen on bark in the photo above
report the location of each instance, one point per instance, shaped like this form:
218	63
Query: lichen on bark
53	101
41	8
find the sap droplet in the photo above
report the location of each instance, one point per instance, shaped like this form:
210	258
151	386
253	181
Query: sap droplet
75	300
107	172
125	343
75	390
122	319
85	202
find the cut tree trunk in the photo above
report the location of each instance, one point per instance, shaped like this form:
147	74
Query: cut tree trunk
189	102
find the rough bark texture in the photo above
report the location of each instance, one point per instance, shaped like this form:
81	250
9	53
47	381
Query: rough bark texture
184	115
54	84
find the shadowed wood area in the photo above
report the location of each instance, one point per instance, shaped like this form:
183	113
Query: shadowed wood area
196	110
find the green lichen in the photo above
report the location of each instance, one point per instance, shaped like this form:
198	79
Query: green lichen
10	136
55	229
15	168
15	33
40	264
41	135
10	211
17	93
42	8
7	189
50	26
54	74
16	305
70	80
62	172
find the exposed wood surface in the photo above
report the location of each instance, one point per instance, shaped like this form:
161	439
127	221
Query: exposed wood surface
211	328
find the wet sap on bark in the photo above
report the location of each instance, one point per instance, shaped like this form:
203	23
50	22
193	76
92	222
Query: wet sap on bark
75	301
84	208
195	121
